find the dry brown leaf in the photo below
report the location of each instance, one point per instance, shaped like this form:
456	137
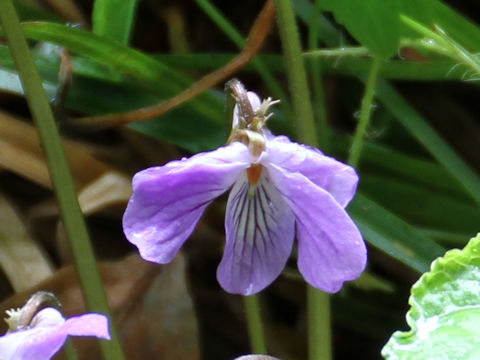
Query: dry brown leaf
110	189
99	185
20	152
22	261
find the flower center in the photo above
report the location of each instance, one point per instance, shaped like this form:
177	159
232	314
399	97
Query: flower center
254	172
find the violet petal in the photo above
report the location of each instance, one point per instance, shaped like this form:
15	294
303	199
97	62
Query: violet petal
45	339
168	201
260	230
330	247
338	179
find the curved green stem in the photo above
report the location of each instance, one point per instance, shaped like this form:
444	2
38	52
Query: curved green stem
59	172
255	328
365	112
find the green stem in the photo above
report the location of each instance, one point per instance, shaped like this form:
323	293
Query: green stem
365	112
297	77
70	351
319	328
317	83
338	52
443	44
255	328
59	172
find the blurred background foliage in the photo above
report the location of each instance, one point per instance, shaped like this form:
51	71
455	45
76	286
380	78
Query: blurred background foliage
419	191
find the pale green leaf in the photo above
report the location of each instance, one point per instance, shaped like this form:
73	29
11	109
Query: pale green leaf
445	311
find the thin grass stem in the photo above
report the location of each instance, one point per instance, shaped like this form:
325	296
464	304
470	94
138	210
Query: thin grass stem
61	177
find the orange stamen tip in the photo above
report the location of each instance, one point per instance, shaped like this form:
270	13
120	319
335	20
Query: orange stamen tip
253	173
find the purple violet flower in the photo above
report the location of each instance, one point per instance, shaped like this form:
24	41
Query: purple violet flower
280	189
47	332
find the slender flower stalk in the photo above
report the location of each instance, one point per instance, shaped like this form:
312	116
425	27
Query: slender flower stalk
319	327
59	172
255	326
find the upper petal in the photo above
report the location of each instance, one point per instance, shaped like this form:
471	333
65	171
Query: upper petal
168	201
260	230
338	179
330	247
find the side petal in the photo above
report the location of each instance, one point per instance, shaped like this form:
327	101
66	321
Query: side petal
260	230
339	179
88	325
330	247
168	201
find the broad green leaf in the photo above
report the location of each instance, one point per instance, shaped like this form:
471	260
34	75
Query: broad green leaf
374	23
445	311
114	19
423	11
458	26
389	233
28	12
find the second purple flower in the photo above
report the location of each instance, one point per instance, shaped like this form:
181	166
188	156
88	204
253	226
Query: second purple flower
279	189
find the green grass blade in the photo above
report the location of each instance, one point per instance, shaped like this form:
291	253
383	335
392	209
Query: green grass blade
62	181
137	65
429	138
140	68
389	233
